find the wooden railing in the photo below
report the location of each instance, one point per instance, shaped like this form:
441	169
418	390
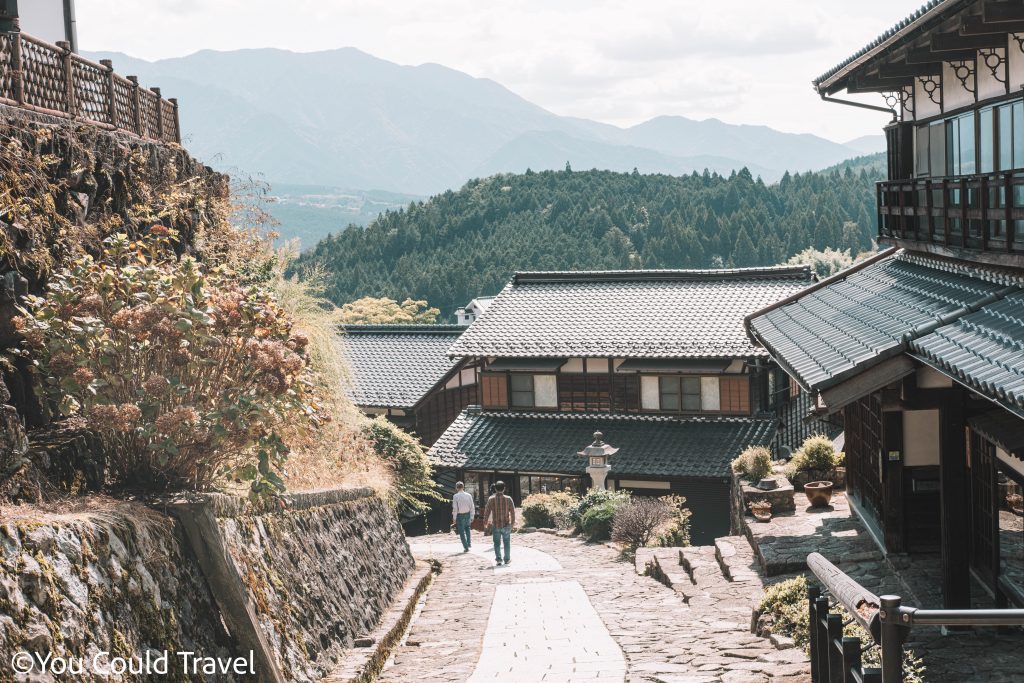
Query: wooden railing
976	212
50	79
836	658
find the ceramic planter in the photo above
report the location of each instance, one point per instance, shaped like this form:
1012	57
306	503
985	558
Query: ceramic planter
819	493
762	515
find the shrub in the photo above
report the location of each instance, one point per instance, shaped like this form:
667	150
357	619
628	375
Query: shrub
816	453
186	374
786	603
754	463
414	485
676	533
548	510
590	500
597	521
634	524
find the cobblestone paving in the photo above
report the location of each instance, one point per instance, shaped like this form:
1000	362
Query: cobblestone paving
659	636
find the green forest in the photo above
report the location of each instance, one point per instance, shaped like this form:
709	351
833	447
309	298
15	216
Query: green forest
466	243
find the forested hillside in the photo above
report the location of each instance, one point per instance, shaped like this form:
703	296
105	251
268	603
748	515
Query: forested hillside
465	243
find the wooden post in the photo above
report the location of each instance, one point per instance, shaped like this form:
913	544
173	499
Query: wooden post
851	659
835	648
69	78
953	475
177	138
893	521
159	114
983	200
1008	209
136	111
111	101
945	211
819	625
17	68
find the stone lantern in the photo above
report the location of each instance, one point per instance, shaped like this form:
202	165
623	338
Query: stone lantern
597	455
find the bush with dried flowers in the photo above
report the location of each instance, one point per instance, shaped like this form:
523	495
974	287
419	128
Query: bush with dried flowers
187	374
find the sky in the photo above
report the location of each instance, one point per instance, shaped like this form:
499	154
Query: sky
616	61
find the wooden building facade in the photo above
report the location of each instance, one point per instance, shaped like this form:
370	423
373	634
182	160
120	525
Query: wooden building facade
921	349
655	360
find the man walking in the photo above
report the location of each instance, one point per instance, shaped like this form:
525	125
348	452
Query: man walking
500	514
463	507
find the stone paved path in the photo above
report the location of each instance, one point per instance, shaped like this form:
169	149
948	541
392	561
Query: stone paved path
481	623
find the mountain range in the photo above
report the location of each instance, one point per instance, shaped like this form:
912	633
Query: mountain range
345	119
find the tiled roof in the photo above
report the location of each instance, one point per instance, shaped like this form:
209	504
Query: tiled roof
394	366
649	446
628	314
984	350
869	313
928	11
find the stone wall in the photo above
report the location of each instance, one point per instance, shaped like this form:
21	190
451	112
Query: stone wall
319	569
322	571
100	576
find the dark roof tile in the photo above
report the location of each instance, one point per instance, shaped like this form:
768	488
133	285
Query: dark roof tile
984	350
394	366
649	446
842	327
628	314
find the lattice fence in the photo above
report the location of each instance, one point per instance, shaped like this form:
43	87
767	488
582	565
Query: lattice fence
52	80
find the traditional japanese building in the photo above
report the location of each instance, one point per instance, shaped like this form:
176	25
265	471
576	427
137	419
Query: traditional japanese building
404	372
921	349
657	361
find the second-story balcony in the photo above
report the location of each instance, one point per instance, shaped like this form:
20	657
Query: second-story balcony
980	217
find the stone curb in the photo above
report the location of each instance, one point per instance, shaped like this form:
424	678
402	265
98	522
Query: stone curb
363	665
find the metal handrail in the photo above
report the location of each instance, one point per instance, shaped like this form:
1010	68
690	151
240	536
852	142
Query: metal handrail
884	617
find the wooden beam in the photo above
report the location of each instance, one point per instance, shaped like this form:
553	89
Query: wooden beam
894	510
977	26
867	382
953	481
909	70
953	42
1004	11
925	56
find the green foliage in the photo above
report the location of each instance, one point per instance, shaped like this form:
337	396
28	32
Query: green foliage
591	499
786	603
815	453
549	510
596	523
371	311
462	244
824	262
414	485
754	463
186	374
676	534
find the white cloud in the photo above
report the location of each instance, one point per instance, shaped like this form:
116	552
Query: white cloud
619	61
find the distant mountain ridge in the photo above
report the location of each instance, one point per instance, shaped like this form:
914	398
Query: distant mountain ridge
344	118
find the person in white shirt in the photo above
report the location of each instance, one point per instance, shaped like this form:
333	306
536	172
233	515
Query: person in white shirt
463	507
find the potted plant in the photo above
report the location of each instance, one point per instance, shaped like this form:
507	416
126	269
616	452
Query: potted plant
819	493
1016	502
815	460
761	509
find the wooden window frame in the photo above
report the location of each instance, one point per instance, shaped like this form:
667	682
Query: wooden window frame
512	391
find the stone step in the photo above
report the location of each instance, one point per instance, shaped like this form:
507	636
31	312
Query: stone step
736	559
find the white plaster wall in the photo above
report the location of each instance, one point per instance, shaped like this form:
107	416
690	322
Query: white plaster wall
920	438
925	106
1015	63
597	365
928	378
545	391
988	84
954	94
644	484
468	376
650	396
573	365
710	398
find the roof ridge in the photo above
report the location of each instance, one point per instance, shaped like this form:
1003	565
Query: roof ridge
475	412
412	328
664	274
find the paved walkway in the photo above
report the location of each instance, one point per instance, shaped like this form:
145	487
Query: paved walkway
567	611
